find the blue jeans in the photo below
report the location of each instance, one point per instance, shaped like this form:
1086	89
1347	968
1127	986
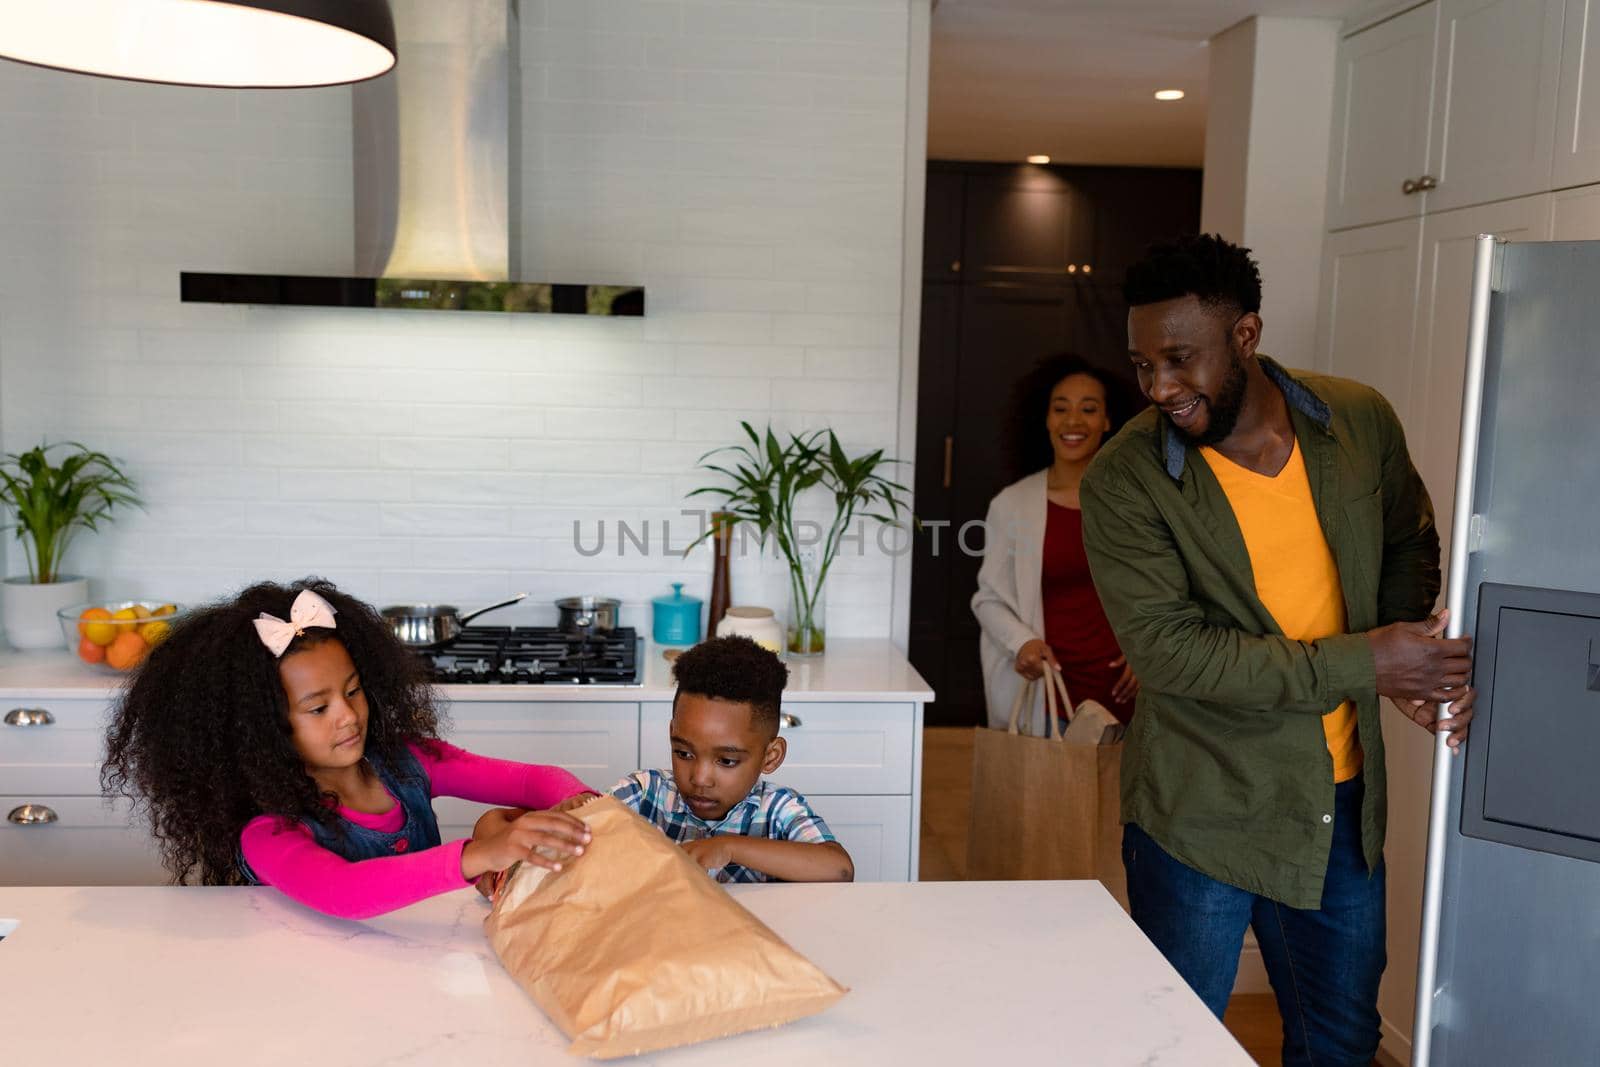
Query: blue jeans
1324	965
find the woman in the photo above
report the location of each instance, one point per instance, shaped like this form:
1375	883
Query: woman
1036	602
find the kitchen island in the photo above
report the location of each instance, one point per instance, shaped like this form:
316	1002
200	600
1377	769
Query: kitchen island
852	717
940	973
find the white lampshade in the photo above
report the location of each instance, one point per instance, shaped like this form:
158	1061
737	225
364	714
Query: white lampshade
262	44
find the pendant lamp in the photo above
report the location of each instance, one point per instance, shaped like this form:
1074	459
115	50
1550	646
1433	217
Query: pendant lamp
234	44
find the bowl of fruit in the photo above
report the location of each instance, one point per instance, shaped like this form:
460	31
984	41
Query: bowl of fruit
117	635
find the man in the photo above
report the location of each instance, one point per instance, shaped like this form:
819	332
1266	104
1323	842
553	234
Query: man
1266	554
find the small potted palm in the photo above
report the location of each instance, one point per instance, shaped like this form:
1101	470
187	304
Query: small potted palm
49	503
767	479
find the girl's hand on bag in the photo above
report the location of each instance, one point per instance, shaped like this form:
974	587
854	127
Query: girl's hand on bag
542	838
577	800
1127	686
1032	657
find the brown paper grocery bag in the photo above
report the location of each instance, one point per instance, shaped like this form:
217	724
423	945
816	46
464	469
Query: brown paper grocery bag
633	948
1048	806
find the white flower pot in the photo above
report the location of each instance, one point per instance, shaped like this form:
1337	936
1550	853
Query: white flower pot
28	609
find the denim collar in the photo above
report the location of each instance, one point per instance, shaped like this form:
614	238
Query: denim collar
1296	392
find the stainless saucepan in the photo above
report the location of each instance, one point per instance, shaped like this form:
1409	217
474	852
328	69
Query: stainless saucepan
425	625
586	615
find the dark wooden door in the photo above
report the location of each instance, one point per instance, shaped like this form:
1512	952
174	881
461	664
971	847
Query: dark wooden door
1012	301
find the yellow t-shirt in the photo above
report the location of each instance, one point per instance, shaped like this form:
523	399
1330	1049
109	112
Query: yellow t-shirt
1296	577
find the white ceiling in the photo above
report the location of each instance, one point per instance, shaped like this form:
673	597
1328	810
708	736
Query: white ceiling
1074	78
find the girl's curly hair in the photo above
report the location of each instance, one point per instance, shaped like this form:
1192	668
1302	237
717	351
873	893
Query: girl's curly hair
200	738
1028	444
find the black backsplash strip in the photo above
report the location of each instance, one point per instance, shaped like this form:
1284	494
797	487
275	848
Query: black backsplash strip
425	294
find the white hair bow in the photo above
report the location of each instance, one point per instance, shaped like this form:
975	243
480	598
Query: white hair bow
308	610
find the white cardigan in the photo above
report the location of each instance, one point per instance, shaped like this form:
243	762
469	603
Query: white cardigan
1009	602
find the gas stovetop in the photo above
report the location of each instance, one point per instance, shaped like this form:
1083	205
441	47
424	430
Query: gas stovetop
535	655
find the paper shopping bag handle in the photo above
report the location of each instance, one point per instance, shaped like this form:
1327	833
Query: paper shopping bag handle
1024	697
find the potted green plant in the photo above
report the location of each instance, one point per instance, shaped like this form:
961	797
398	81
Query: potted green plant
768	480
49	503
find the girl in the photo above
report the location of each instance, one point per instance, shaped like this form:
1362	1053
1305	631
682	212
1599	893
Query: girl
287	738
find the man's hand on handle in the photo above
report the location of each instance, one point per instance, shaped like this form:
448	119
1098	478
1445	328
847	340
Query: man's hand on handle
1418	669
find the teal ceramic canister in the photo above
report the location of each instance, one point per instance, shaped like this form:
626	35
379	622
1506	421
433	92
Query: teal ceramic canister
676	618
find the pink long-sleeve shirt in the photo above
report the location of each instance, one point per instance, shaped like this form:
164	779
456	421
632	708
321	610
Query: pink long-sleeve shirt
284	854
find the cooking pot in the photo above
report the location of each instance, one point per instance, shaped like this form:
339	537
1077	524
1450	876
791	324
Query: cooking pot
585	615
424	625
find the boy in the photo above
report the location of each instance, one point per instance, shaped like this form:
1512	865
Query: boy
713	801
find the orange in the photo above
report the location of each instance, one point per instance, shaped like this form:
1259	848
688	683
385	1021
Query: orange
126	651
90	626
90	652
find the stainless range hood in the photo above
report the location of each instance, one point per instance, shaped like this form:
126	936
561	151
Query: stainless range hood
436	143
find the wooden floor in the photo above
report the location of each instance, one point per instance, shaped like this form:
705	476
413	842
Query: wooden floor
946	803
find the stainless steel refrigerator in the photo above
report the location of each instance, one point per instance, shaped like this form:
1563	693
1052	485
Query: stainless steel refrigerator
1509	968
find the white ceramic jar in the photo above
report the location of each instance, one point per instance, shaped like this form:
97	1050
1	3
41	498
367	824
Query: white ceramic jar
758	624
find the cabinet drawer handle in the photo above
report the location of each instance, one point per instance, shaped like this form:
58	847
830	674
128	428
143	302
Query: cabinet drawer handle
31	815
1408	186
955	266
1426	182
29	717
790	722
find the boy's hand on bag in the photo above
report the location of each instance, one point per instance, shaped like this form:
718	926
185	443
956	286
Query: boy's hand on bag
543	838
712	853
1032	657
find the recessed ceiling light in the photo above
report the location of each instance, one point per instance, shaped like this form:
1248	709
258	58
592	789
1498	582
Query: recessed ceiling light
1038	159
1169	94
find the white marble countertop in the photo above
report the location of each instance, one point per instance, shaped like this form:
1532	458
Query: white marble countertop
940	973
853	669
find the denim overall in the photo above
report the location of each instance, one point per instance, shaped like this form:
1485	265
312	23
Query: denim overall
409	785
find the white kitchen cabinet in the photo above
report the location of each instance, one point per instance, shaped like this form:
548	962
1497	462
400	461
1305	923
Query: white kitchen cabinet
91	841
52	746
597	741
1577	148
857	763
1439	360
1494	100
1383	104
873	830
1368	307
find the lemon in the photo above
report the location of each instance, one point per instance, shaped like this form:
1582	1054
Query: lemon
125	614
165	609
141	611
154	632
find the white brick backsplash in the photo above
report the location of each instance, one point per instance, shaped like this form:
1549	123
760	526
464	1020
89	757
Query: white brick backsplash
573	390
733	393
442	453
628	424
710	260
309	450
432	520
769	361
748	21
345	485
741	160
476	487
557	457
881	329
864	363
